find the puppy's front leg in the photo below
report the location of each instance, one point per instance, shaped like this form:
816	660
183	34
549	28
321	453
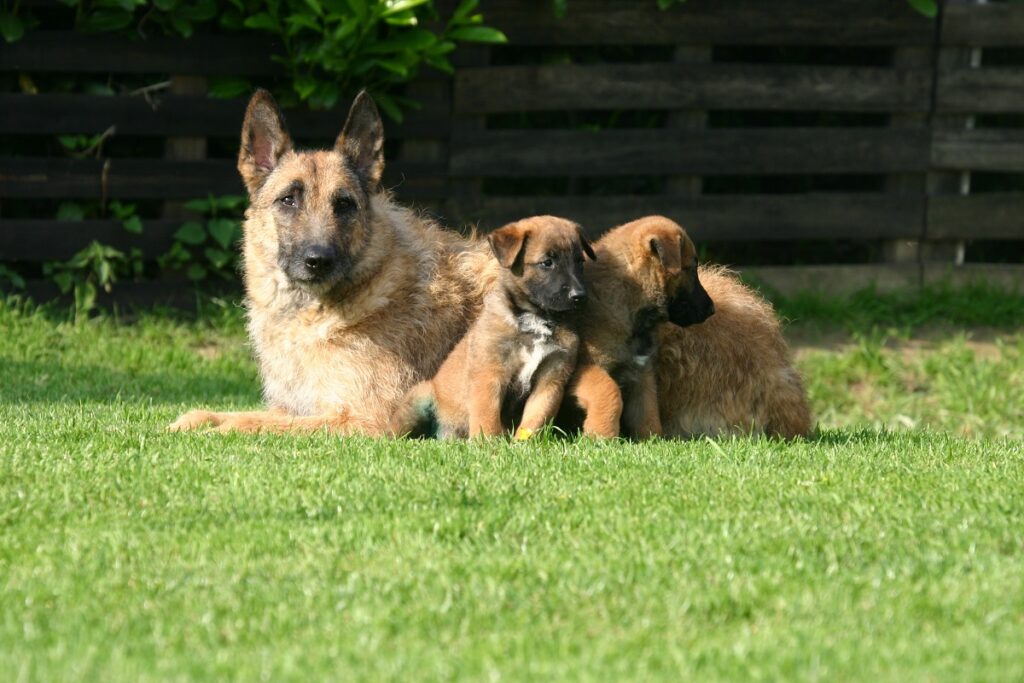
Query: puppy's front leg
640	417
486	391
542	404
599	396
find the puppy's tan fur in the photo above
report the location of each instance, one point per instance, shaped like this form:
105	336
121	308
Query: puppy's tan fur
342	357
517	353
642	269
731	374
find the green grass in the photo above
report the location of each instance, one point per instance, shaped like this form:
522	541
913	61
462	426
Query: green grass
882	549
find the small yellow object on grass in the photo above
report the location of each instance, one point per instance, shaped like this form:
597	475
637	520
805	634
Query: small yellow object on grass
523	433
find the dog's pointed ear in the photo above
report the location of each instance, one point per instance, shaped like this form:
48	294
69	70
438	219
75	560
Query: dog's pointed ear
362	141
264	140
668	253
588	249
509	244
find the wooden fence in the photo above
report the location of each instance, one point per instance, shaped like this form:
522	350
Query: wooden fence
773	123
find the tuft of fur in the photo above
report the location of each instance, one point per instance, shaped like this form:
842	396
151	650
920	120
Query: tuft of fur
731	374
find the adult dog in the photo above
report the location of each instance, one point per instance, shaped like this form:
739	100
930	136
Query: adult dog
352	300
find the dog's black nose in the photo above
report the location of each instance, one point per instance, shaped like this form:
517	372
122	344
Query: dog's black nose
577	297
318	260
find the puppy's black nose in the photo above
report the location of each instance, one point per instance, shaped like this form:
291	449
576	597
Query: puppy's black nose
318	260
577	297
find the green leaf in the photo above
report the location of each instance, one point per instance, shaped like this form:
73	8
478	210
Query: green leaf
358	8
929	8
182	25
11	27
300	21
388	106
106	20
133	224
229	202
304	86
467	6
262	22
217	257
195	272
561	7
416	39
200	205
224	230
396	6
477	34
85	297
226	87
70	211
64	281
191	233
402	19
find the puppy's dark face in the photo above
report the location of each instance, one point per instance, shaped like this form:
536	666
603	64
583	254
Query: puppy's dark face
312	210
663	261
544	261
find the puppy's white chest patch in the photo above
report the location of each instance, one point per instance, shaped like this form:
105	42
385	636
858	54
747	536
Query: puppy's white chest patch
641	361
532	355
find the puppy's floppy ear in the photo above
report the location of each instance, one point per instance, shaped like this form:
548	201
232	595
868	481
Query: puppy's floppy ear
362	141
264	140
668	253
509	244
585	243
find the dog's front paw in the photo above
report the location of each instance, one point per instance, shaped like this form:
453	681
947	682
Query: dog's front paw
193	419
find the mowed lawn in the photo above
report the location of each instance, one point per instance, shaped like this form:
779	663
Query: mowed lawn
888	547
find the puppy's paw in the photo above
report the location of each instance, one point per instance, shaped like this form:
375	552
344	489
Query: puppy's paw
192	420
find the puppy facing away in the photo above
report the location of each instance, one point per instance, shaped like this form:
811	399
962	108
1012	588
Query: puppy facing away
732	374
645	274
512	365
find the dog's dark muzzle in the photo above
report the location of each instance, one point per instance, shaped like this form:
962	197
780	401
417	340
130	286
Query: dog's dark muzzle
691	308
314	264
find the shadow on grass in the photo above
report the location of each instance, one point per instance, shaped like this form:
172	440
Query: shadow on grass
31	382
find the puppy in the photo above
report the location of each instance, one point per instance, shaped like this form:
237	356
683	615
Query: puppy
645	273
517	356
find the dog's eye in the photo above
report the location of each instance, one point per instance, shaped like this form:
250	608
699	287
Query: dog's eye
288	200
546	263
343	204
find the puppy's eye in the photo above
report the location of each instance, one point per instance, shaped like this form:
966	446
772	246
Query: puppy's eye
546	264
288	200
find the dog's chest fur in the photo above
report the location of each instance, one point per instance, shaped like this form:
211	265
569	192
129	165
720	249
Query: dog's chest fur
536	342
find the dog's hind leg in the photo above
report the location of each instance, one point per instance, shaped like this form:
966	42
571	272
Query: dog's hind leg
640	418
417	407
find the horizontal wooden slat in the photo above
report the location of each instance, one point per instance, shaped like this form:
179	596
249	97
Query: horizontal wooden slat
47	240
981	90
995	216
834	280
206	55
983	25
664	86
160	179
180	115
720	218
705	22
998	150
711	152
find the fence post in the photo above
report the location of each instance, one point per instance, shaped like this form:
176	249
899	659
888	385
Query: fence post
688	185
185	148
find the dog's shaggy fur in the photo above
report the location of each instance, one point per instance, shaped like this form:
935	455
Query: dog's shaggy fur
732	374
339	350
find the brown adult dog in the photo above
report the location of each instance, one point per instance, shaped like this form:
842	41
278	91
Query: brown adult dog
351	299
731	374
517	356
645	273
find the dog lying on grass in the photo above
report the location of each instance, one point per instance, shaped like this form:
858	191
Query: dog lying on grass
513	364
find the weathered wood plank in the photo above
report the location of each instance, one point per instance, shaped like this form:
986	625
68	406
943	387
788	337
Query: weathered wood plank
181	115
159	179
835	280
989	149
983	25
720	218
543	153
689	86
985	216
47	240
706	22
995	90
202	55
